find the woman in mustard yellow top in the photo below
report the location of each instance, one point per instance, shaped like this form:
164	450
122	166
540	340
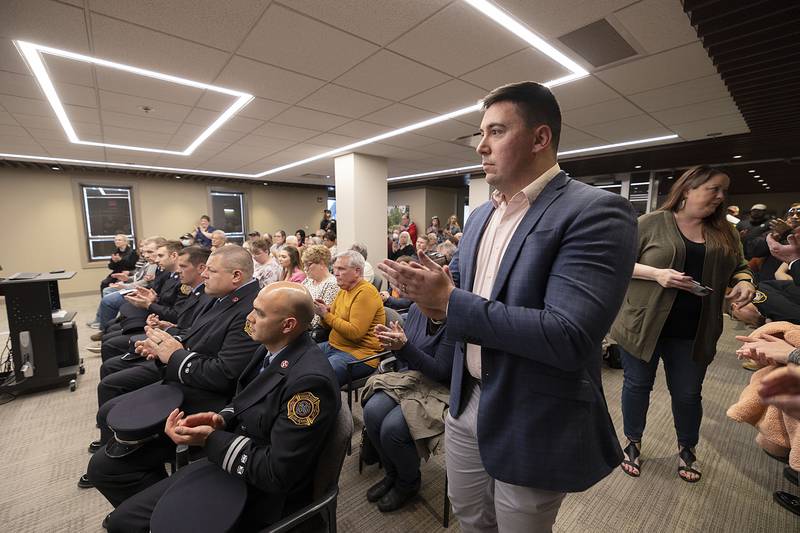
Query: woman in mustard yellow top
352	318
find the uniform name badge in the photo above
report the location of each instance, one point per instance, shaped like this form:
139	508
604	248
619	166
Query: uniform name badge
303	408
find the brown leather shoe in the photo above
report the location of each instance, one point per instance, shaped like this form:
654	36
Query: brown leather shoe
97	336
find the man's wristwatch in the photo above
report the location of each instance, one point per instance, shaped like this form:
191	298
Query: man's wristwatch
794	357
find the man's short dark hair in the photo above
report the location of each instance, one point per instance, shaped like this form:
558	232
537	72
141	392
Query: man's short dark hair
197	254
536	105
331	236
172	246
205	217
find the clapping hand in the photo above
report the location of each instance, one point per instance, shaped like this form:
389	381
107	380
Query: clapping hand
392	338
321	308
194	429
154	321
781	388
159	344
426	283
767	350
142	298
778	227
785	252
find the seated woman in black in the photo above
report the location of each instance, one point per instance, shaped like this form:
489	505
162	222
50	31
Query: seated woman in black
425	362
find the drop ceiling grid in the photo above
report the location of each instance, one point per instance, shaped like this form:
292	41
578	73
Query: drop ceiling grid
383	46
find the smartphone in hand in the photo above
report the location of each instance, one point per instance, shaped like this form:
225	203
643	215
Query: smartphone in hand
700	290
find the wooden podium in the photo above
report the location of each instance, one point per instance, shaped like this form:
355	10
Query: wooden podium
44	338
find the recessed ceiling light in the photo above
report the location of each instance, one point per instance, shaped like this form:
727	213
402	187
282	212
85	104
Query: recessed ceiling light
177	177
638	166
756	175
737	157
767	187
265	183
761	181
751	171
33	55
327	177
670	177
55	167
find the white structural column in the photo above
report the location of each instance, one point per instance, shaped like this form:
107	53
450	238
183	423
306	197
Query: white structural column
479	192
361	200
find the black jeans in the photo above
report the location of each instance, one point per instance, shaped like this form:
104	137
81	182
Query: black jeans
388	431
685	383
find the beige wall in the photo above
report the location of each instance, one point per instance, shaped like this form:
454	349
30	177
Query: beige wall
441	203
426	202
414	199
42	223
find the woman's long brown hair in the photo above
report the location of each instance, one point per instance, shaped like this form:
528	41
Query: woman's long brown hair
715	226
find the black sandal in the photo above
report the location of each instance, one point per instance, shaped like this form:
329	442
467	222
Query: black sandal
632	453
688	458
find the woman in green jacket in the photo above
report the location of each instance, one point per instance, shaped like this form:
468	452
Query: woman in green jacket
688	255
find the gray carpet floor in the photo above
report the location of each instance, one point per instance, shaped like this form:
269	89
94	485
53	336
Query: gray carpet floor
43	440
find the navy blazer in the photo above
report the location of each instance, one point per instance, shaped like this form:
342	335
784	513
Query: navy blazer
542	419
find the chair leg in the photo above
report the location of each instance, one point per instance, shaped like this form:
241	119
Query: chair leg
332	516
350	405
446	510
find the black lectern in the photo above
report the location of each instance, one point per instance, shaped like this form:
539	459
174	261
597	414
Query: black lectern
44	338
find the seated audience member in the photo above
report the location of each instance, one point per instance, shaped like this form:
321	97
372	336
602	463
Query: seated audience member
278	242
317	241
273	431
218	240
319	281
352	318
112	297
205	363
369	272
187	239
253	235
329	240
436	229
452	227
291	240
191	265
403	246
425	362
291	265
203	232
406	224
422	245
433	241
266	268
123	259
392	298
164	299
447	249
301	239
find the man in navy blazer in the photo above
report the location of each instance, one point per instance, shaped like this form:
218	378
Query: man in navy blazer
541	270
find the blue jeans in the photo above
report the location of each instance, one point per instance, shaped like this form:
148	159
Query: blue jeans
339	359
109	307
685	383
388	431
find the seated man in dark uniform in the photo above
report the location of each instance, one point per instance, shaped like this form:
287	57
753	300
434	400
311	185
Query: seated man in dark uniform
272	432
205	363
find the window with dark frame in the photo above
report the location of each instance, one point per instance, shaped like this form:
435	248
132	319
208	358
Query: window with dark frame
107	211
227	214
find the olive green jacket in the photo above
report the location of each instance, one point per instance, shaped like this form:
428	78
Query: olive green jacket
647	304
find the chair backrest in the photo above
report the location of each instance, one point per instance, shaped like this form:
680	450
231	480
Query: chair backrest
329	466
378	282
393	316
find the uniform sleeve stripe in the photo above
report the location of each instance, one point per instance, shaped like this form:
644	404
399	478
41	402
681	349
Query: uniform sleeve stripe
228	454
237	448
180	368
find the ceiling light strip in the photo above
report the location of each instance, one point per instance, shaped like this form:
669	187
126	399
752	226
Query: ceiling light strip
32	54
508	22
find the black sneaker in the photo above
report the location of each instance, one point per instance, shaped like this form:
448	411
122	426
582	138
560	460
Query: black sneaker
84	483
396	498
376	491
94	446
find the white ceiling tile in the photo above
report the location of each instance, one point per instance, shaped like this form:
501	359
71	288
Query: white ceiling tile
19	144
454	94
389	75
144	124
44	22
310	119
201	117
7	119
63	70
14	131
407	140
680	64
120	82
141	47
10	60
332	140
572	138
342	101
585	91
18	85
323	51
379	21
215	101
131	105
39	121
456	40
553	19
700	129
678	94
360	130
218	24
398	115
448	130
627	129
242	124
73	151
269	82
449	150
528	64
85	131
134	137
694	112
17	104
602	112
76	95
657	24
76	113
283	131
263	109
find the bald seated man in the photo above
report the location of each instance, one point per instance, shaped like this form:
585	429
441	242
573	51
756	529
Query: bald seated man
272	433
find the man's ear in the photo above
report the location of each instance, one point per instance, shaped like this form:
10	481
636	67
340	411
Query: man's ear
542	138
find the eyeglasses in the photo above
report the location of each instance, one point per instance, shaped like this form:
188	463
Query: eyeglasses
794	211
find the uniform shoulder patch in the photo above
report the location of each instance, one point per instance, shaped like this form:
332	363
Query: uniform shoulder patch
303	408
185	289
759	298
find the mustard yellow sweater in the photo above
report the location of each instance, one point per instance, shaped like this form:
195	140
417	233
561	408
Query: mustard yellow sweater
352	320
